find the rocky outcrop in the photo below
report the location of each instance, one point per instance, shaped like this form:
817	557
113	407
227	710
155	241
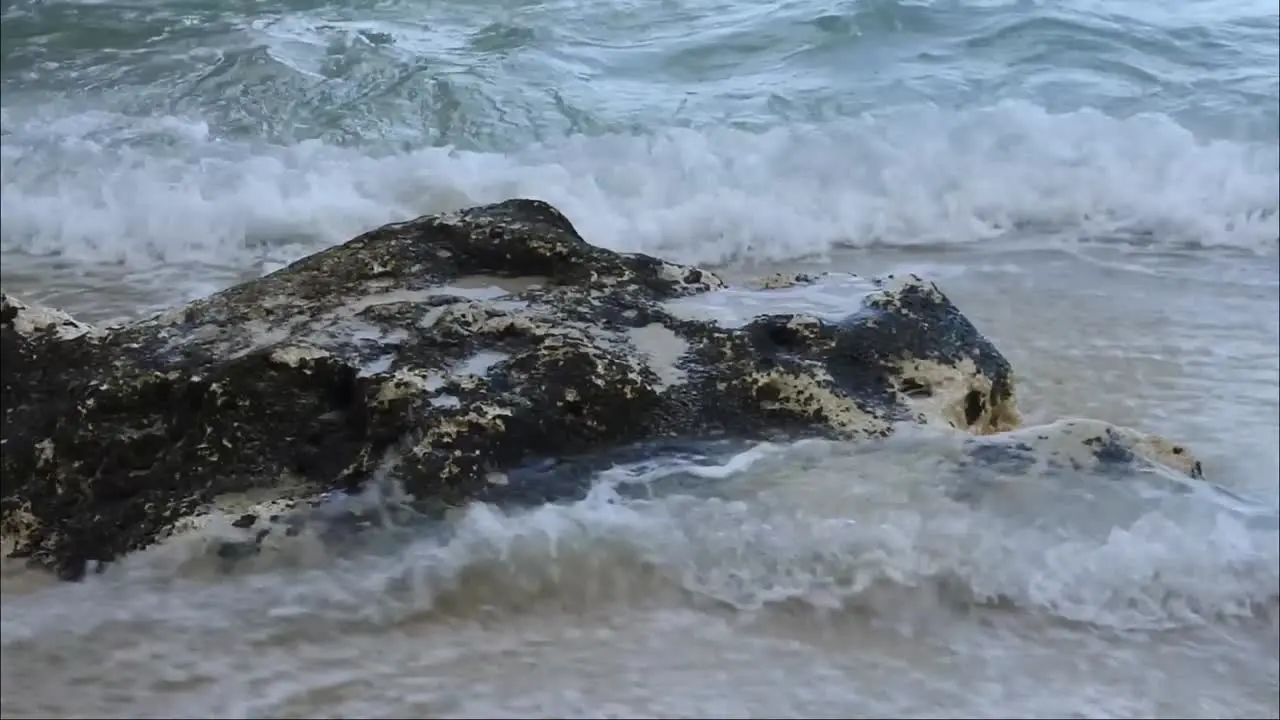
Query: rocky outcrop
468	345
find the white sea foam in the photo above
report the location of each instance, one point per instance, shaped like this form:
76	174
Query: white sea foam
831	297
866	529
910	176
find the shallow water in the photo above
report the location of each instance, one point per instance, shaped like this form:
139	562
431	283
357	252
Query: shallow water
1094	184
821	580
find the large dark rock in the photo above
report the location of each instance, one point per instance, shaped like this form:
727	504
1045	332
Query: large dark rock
470	345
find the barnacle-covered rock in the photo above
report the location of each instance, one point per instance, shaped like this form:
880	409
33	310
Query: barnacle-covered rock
469	345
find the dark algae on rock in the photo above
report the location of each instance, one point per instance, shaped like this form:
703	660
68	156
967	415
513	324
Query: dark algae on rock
468	344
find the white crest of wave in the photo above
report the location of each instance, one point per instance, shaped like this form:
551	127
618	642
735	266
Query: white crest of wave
919	175
830	540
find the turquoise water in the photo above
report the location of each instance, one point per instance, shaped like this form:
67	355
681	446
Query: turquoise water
1096	184
238	133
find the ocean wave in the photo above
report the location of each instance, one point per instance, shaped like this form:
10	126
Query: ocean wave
909	176
242	135
861	531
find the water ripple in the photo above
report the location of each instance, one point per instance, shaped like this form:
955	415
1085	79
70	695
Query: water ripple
510	72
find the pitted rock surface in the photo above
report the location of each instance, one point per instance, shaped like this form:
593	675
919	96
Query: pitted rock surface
470	344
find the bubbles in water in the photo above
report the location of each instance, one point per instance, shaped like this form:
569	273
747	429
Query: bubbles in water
817	530
816	523
911	176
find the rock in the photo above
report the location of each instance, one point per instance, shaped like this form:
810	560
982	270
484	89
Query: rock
1068	451
471	344
1083	445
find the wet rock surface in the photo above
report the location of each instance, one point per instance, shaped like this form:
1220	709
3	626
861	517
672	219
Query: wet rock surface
470	347
1082	445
